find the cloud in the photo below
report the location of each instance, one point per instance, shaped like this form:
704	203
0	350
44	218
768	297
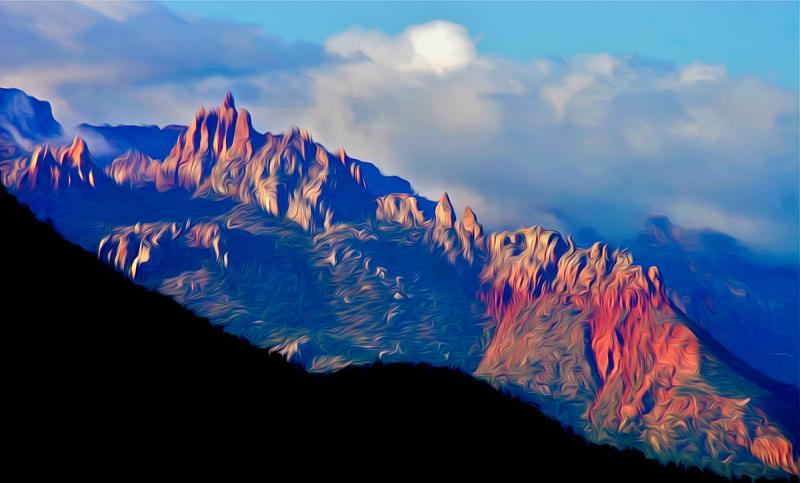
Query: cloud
438	47
595	140
119	11
751	230
697	72
83	55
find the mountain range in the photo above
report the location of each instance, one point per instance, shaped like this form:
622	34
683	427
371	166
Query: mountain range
93	397
320	257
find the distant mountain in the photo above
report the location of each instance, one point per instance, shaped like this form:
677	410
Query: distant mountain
24	122
108	142
751	308
305	252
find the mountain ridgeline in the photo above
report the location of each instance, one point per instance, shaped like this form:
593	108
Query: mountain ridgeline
320	257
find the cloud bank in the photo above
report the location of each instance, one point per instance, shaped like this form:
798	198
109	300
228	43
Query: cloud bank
596	140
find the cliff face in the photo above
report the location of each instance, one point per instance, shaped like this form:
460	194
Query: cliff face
591	337
304	252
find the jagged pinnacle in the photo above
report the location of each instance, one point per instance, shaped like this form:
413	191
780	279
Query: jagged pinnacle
228	102
445	215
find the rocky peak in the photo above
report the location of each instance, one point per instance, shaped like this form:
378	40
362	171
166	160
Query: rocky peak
445	215
53	167
469	223
214	134
228	102
76	155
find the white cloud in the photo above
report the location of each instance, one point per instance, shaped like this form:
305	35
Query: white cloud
440	47
437	47
752	230
602	64
595	140
93	59
116	10
697	72
559	93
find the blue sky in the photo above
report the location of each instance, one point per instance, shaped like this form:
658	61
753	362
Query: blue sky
750	38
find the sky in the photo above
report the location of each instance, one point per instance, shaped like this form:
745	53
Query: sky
749	38
572	116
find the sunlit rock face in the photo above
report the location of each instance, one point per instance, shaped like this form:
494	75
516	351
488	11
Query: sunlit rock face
469	226
210	137
593	339
286	175
310	253
53	168
134	248
401	208
133	168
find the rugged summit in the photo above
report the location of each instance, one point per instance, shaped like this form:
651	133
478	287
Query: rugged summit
221	156
209	138
311	254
